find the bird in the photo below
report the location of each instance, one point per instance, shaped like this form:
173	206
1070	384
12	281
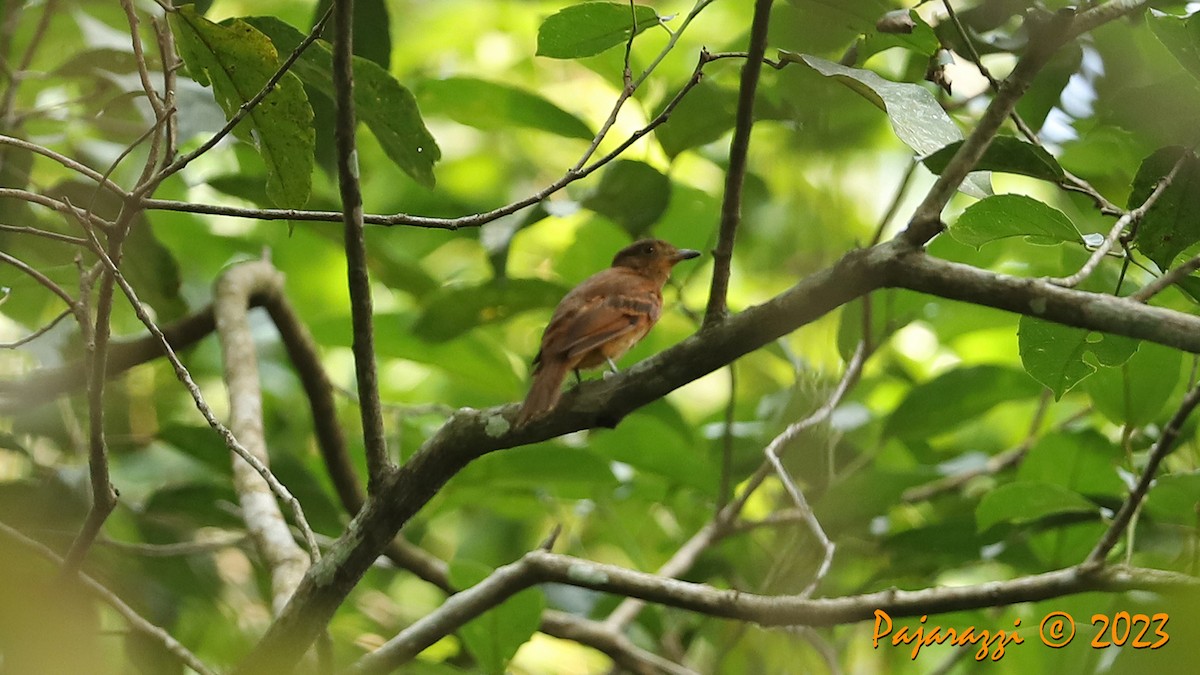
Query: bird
601	319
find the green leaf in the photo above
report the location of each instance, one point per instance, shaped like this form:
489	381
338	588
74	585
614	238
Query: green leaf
1082	461
956	397
1012	215
383	104
922	40
540	468
151	269
1053	354
589	28
1024	502
703	116
237	60
1174	499
917	118
1173	223
664	450
1181	36
451	312
493	106
632	194
494	636
1135	393
1006	154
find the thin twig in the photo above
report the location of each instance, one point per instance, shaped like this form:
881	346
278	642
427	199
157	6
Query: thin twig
1163	447
45	234
358	276
735	174
78	167
37	276
135	620
39	332
1130	220
1167	280
776	447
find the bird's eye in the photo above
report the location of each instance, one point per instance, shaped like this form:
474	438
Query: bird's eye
649	248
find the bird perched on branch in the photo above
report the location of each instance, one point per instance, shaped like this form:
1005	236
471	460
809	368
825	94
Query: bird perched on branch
601	319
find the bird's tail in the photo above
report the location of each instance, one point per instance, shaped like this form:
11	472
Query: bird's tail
544	392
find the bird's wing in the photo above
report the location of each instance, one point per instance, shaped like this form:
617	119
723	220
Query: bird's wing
598	322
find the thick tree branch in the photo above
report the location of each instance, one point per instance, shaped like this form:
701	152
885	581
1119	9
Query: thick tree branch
285	561
470	434
542	567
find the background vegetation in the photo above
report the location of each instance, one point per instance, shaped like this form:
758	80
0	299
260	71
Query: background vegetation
843	409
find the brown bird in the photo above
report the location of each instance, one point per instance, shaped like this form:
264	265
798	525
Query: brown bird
601	319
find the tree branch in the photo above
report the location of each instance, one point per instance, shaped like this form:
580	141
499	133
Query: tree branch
361	308
1045	39
735	176
285	561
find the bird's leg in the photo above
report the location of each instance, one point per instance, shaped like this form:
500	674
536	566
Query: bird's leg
612	368
578	377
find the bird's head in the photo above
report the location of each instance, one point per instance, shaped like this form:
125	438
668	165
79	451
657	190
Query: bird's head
652	257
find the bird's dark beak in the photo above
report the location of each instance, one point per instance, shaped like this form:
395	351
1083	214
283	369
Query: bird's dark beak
685	254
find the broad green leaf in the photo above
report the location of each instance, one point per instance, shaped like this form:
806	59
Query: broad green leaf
152	270
1135	393
916	117
1175	498
1173	223
632	194
1011	215
237	60
1024	502
383	104
703	116
1006	154
660	448
539	468
1082	461
589	28
955	398
1053	354
494	636
494	106
1181	36
453	311
921	40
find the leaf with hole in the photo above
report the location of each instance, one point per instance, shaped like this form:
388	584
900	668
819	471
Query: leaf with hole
1054	354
